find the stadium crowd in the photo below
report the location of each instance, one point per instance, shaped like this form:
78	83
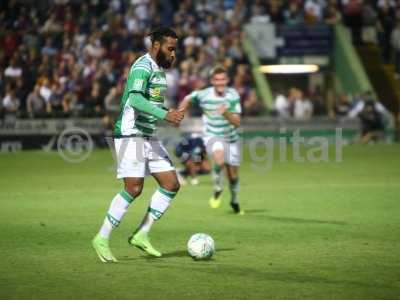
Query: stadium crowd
69	57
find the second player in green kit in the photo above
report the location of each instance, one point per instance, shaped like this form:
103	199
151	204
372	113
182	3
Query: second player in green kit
221	110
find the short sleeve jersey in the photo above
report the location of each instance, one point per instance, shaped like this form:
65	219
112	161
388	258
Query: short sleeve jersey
147	78
216	125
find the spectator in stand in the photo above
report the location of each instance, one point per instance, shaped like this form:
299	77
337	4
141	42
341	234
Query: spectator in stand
95	100
111	101
13	71
251	105
275	11
386	16
258	14
293	15
68	102
56	99
46	92
10	101
352	15
35	105
52	25
343	106
240	86
48	48
314	10
370	23
332	14
9	43
317	99
282	105
193	39
303	108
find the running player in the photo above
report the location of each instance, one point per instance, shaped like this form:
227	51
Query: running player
221	109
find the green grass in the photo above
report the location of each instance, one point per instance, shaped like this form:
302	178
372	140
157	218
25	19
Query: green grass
312	231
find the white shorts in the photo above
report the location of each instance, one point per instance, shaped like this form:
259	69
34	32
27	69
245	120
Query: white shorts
139	157
231	149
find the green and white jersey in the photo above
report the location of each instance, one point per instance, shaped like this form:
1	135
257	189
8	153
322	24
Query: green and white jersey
147	78
214	123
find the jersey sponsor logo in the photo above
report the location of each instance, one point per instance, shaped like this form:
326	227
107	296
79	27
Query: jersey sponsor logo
157	92
138	84
158	80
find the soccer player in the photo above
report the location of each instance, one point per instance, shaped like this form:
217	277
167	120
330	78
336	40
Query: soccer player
221	109
139	152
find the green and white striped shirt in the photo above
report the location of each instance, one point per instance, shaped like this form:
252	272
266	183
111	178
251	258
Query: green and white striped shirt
214	123
147	78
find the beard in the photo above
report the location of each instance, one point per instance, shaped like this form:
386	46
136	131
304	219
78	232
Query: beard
163	61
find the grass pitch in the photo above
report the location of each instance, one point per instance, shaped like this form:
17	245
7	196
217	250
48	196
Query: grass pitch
311	231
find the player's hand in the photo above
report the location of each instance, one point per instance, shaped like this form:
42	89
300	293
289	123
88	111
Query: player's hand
174	116
222	109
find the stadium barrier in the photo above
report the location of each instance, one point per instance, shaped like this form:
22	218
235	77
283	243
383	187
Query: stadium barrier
21	134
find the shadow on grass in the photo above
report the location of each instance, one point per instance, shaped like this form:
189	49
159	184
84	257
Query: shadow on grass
178	253
263	213
255	211
181	253
305	221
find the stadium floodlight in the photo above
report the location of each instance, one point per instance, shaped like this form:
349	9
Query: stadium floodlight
288	69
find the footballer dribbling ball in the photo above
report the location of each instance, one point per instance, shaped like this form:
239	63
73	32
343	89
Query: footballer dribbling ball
201	246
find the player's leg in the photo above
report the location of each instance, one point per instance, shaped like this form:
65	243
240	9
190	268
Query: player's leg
120	203
162	170
233	177
215	149
160	201
131	169
217	157
232	162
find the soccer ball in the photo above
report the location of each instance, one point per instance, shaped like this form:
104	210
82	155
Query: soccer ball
201	246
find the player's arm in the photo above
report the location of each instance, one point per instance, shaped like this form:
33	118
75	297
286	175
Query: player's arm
137	88
233	118
140	103
187	102
232	111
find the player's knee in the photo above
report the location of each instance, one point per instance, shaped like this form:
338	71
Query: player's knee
134	189
233	179
172	186
219	161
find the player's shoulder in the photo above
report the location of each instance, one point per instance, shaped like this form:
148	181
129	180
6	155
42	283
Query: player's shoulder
232	93
143	63
203	92
207	90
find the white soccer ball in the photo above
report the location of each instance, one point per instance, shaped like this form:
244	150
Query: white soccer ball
201	246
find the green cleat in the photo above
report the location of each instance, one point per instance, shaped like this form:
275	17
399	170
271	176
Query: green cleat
102	248
141	241
215	202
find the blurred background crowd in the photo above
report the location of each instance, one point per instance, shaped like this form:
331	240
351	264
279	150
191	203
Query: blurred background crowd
71	58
